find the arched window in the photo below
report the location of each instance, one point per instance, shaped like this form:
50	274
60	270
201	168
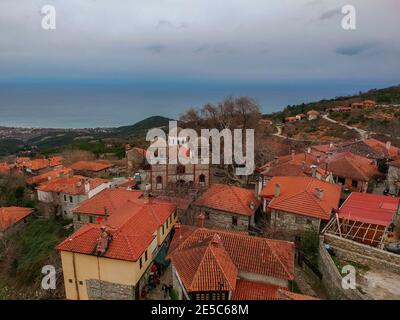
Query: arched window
159	183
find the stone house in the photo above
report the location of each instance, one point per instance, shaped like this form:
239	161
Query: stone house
115	259
92	169
61	196
293	205
227	265
228	207
13	219
393	177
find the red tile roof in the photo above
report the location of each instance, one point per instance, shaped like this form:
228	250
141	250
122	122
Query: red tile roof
249	290
214	269
73	185
262	256
110	200
132	230
386	148
298	196
229	199
94	166
11	215
49	176
313	113
352	166
369	208
37	164
56	161
4	168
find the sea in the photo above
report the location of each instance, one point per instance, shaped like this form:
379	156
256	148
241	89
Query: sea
86	105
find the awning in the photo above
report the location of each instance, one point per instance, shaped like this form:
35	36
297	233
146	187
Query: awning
161	256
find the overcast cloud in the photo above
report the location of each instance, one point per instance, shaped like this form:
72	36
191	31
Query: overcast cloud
235	40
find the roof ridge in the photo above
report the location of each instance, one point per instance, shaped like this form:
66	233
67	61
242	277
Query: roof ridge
278	258
233	188
210	247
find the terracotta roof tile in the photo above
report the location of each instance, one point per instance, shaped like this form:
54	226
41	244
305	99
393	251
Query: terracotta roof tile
298	196
11	215
94	166
230	199
250	254
249	290
49	176
73	185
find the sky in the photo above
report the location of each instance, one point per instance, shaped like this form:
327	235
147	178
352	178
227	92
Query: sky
199	41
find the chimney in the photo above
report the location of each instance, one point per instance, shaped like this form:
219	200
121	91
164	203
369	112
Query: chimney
200	220
103	241
293	153
277	190
319	193
388	145
303	165
252	205
276	160
87	186
318	159
309	150
178	230
313	170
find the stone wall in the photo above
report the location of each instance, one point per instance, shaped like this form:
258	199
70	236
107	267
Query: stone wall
292	225
363	254
102	290
223	220
332	279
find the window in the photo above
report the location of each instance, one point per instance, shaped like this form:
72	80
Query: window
207	215
202	180
341	180
180	169
81	283
145	256
300	220
309	221
78	217
140	263
163	229
354	183
91	219
159	183
70	280
167	223
234	221
65	198
175	214
71	199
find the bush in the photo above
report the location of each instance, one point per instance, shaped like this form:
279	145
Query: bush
310	245
173	295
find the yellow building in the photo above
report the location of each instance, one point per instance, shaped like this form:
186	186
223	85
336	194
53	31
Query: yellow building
113	258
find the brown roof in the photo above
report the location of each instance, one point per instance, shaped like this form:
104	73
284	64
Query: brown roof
73	185
229	199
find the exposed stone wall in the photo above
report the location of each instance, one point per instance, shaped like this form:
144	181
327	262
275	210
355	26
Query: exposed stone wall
223	220
332	279
393	178
82	220
363	254
102	290
292	225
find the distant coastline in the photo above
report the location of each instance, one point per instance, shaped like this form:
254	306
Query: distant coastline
89	107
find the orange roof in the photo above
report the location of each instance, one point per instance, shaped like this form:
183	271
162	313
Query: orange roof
262	256
229	199
298	196
94	166
291	119
4	168
383	147
11	215
49	176
249	290
70	185
313	113
352	166
37	164
56	161
132	230
111	200
395	163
